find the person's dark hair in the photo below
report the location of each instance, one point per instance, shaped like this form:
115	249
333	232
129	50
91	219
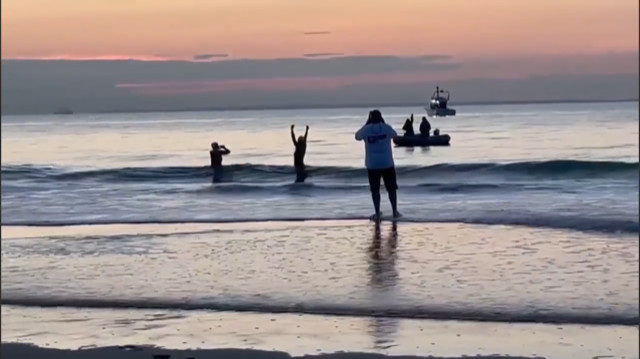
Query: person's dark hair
375	117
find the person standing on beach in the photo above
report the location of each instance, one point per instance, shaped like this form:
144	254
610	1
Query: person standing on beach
298	155
216	153
377	136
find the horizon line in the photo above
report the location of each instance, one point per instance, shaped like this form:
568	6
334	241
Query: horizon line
338	106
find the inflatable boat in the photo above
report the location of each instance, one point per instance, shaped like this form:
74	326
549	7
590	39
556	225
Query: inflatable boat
422	141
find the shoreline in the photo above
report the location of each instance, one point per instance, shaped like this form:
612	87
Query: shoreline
625	228
60	332
336	268
437	314
14	350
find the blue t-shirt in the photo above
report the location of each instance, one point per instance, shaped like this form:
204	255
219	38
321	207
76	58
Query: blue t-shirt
377	144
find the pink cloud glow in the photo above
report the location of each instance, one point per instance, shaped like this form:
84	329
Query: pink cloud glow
275	84
512	69
95	58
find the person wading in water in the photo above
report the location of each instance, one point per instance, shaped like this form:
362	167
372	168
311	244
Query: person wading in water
216	154
298	155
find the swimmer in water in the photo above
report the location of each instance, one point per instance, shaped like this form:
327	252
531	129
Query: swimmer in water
298	155
216	153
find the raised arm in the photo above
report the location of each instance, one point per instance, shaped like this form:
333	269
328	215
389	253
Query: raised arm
293	136
224	150
359	133
306	133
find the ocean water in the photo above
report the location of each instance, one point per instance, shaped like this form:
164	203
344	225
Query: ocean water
559	166
530	215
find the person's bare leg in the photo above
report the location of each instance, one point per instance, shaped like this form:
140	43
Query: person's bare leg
374	187
375	196
393	198
392	190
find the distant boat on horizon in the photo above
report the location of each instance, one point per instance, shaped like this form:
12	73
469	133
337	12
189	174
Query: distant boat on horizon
438	104
63	111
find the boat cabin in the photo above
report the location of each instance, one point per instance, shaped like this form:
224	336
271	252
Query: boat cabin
438	101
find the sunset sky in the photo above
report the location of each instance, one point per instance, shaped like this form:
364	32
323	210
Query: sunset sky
276	28
252	53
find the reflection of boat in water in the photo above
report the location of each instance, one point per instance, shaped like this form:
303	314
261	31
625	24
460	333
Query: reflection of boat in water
438	104
63	111
422	141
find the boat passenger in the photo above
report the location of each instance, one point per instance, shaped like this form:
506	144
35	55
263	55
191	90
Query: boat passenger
425	127
408	127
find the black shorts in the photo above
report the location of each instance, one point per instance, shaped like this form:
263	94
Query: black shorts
388	175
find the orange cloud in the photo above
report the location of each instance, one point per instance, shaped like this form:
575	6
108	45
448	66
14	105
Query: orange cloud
275	28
